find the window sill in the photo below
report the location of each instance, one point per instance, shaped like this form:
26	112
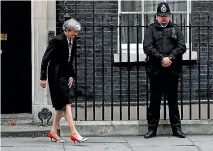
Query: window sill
142	57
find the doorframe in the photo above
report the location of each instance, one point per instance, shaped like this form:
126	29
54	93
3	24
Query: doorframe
32	54
43	20
0	82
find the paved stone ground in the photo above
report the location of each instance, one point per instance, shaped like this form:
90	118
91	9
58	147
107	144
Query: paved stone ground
131	143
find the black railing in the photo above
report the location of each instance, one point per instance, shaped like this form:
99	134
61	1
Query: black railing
109	88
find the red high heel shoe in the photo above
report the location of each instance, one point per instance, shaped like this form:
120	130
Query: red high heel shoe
79	140
52	137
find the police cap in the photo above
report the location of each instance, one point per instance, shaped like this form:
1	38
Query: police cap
163	9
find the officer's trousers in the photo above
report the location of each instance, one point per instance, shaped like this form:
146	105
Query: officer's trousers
164	82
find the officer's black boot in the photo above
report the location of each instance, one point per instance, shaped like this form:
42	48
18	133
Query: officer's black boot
151	133
177	132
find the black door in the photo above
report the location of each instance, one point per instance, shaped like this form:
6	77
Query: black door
16	57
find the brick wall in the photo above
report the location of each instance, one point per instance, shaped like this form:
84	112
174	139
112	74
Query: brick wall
201	10
83	12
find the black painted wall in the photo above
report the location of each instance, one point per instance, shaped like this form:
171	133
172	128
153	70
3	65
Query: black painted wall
93	45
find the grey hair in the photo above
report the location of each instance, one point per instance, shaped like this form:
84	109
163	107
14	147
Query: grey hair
71	24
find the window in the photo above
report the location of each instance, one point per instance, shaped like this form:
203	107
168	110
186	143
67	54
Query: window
143	12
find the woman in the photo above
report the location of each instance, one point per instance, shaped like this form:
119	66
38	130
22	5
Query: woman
59	55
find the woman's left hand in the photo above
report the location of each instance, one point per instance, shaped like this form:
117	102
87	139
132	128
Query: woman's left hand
70	82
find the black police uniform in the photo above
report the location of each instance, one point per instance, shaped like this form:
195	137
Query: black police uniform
162	42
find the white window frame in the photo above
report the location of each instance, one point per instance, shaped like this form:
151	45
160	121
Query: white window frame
133	46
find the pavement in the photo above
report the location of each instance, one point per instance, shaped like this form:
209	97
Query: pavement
128	143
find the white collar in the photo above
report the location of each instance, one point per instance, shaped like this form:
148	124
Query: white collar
164	25
71	40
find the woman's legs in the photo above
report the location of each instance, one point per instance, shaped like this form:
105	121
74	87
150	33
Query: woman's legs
56	120
69	118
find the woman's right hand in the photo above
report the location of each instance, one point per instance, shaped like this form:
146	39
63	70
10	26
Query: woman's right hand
43	83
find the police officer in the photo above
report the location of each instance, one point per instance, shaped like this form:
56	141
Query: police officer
164	45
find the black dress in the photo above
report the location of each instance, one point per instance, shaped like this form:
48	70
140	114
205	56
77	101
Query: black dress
59	70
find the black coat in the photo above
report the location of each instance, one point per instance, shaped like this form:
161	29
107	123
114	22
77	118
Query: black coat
59	69
162	42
